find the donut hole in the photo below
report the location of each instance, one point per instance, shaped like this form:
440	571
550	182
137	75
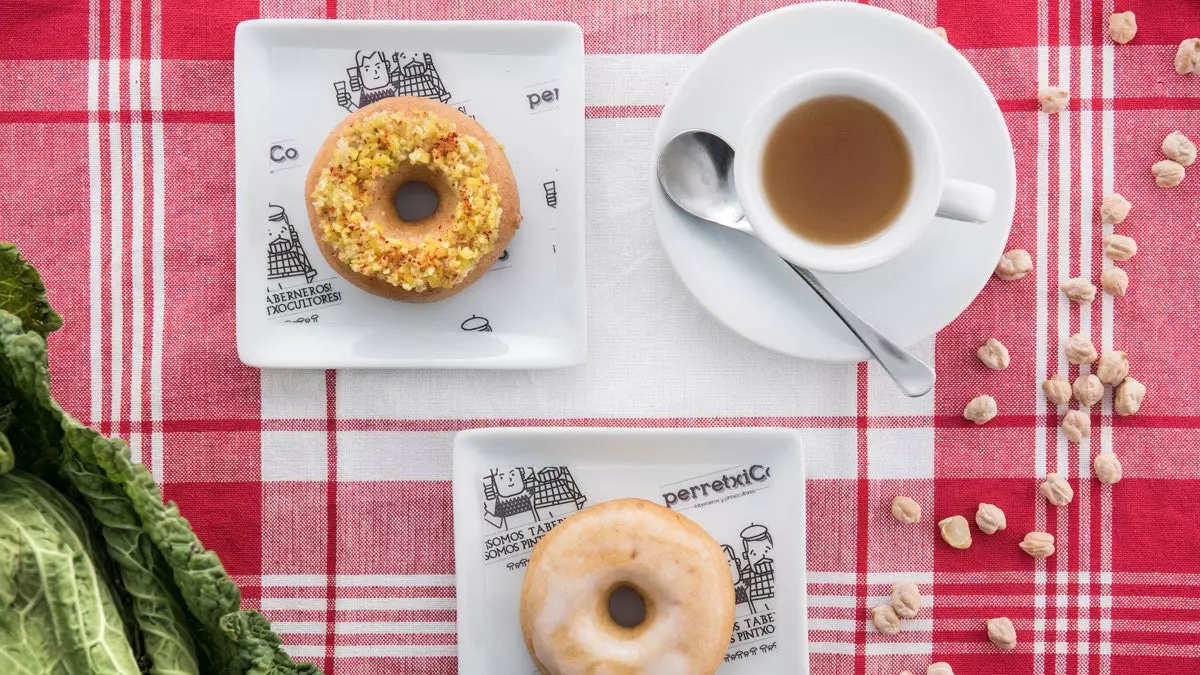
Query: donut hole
411	203
415	201
626	606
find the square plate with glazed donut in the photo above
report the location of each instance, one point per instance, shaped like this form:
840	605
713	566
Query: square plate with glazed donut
744	487
519	84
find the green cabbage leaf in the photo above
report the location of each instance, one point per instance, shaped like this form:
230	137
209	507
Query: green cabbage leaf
97	574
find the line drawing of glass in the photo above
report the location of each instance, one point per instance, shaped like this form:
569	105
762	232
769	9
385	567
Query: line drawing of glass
551	194
285	255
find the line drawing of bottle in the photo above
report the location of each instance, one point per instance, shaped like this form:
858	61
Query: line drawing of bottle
551	194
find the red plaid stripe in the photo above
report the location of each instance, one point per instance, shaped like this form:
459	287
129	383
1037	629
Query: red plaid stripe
333	510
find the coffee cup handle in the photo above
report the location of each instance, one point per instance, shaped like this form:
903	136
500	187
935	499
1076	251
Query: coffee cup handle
968	202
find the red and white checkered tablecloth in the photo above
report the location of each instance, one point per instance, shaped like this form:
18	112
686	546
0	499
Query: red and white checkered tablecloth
327	494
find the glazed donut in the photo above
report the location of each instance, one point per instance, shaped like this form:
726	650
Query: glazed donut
353	180
671	562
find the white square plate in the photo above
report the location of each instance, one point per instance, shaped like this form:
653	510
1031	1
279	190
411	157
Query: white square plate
534	478
295	80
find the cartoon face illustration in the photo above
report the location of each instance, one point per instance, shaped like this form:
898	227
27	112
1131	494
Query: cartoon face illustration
758	551
373	70
510	482
756	544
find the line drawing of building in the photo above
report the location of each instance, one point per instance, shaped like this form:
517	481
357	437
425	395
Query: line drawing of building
551	193
285	254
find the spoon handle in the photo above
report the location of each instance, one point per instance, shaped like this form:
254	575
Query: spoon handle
914	377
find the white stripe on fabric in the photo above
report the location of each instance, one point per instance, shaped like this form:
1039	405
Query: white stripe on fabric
403	580
394	651
831	648
1108	318
833	625
633	79
882	648
1062	557
298	627
305	651
360	604
393	455
851	579
293	604
157	239
838	601
1042	271
395	627
137	254
1082	544
95	320
116	218
359	580
385	604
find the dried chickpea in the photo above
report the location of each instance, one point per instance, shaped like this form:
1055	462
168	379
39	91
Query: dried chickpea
1088	390
1119	247
993	354
885	619
955	531
1168	173
1001	631
1053	99
1076	425
1056	490
1058	389
906	509
990	518
940	32
1038	544
981	409
1122	26
1127	399
1179	148
1115	281
1114	209
1113	368
906	599
939	668
1107	468
1014	265
1080	350
1187	57
1078	289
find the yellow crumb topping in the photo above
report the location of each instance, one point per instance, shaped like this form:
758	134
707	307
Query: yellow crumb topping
373	148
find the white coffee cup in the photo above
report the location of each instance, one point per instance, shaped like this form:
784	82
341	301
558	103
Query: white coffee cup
931	193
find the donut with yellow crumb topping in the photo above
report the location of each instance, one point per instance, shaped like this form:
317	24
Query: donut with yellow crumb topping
353	181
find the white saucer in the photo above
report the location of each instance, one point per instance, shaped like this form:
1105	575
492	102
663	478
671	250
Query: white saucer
744	284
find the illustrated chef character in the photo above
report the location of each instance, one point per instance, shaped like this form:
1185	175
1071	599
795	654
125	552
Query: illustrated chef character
759	572
509	498
375	78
